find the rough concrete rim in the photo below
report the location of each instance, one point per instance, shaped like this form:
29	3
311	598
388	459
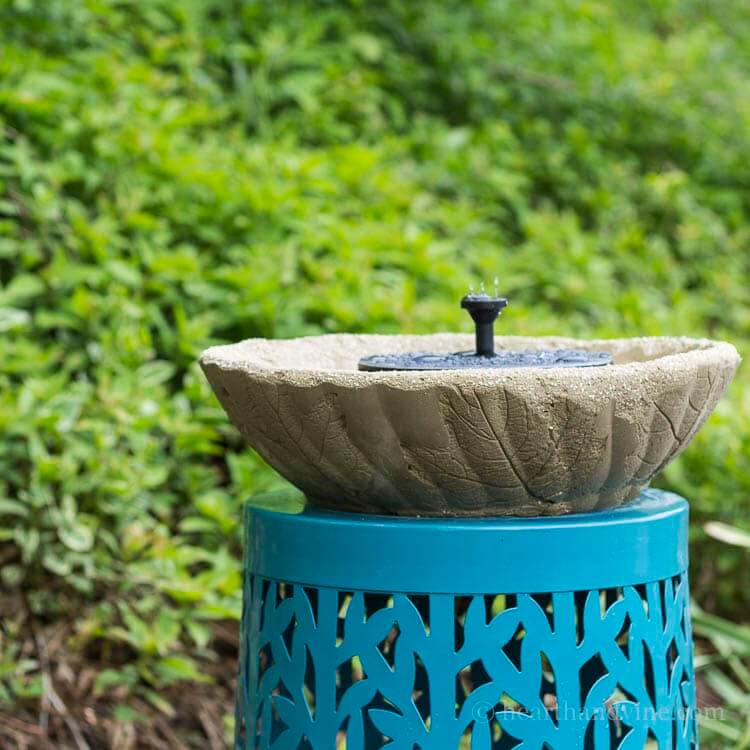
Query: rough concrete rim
293	361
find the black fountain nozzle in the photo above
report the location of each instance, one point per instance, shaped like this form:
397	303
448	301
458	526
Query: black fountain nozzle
484	311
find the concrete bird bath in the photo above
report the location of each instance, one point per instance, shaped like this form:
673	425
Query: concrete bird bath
529	437
568	630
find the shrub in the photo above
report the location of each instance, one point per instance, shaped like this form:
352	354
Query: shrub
179	174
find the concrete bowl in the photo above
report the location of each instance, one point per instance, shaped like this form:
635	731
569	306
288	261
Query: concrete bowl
468	442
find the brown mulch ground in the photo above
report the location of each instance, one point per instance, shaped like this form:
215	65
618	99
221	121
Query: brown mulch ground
71	716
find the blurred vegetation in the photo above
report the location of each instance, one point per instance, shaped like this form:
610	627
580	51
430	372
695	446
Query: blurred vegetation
181	173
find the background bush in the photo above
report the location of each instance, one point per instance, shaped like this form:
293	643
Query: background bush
180	173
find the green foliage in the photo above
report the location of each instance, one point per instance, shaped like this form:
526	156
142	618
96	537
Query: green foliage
179	174
19	678
726	672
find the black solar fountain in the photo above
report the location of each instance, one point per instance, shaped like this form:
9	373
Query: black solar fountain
484	310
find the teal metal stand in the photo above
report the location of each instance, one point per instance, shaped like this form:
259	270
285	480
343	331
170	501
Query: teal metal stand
569	633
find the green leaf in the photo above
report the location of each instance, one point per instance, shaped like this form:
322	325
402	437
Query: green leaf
727	534
22	287
166	629
76	536
13	508
108	678
128	715
56	565
155	373
199	633
12	319
174	669
158	702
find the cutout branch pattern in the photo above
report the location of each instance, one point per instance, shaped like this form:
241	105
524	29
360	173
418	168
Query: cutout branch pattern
595	670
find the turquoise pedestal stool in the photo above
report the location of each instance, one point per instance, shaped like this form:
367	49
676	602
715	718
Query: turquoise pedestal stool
566	633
